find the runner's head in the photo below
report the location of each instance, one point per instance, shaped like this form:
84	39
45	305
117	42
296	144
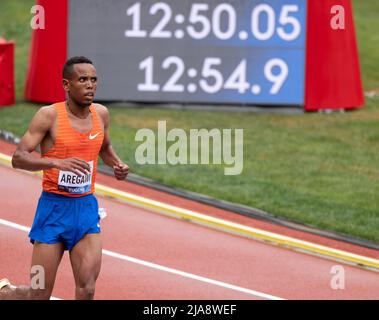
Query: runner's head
80	80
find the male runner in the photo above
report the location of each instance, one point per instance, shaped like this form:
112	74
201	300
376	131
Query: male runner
71	134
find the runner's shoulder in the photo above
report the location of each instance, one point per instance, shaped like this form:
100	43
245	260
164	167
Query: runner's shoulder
102	110
47	114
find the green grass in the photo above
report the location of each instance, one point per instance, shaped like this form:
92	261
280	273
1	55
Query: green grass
313	168
366	21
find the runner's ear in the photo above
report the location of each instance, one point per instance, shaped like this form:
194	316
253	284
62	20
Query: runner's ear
65	84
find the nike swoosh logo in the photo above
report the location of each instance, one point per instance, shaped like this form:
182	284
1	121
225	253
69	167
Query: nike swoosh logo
91	137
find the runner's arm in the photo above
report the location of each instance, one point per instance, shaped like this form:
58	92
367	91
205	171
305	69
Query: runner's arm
107	153
38	128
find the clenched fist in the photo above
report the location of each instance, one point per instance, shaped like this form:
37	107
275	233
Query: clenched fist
121	170
74	165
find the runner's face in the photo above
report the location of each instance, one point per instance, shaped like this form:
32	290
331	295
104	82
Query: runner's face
83	83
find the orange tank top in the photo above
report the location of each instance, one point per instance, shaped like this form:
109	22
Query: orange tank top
72	143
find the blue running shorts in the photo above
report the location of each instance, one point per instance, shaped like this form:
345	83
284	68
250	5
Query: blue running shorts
62	219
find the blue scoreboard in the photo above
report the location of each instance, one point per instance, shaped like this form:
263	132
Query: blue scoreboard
245	51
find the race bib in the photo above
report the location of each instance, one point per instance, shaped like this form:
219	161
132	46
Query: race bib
75	184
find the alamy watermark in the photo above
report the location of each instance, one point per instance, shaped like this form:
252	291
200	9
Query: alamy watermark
337	22
198	147
338	279
38	20
37	277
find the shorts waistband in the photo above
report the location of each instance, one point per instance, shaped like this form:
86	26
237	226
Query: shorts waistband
60	197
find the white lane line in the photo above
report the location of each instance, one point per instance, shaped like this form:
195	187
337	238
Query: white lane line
190	275
163	268
14	225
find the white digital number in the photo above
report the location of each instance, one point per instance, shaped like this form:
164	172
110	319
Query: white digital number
231	24
275	70
277	79
264	22
135	12
285	19
196	18
237	80
171	85
158	31
148	66
209	71
255	19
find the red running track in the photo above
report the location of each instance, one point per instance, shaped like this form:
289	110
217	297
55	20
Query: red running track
140	237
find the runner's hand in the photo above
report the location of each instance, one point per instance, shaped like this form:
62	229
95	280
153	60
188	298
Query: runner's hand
121	170
74	165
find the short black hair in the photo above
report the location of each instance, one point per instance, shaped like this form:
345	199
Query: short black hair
68	66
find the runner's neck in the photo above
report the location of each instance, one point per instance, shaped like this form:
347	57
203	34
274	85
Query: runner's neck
78	112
